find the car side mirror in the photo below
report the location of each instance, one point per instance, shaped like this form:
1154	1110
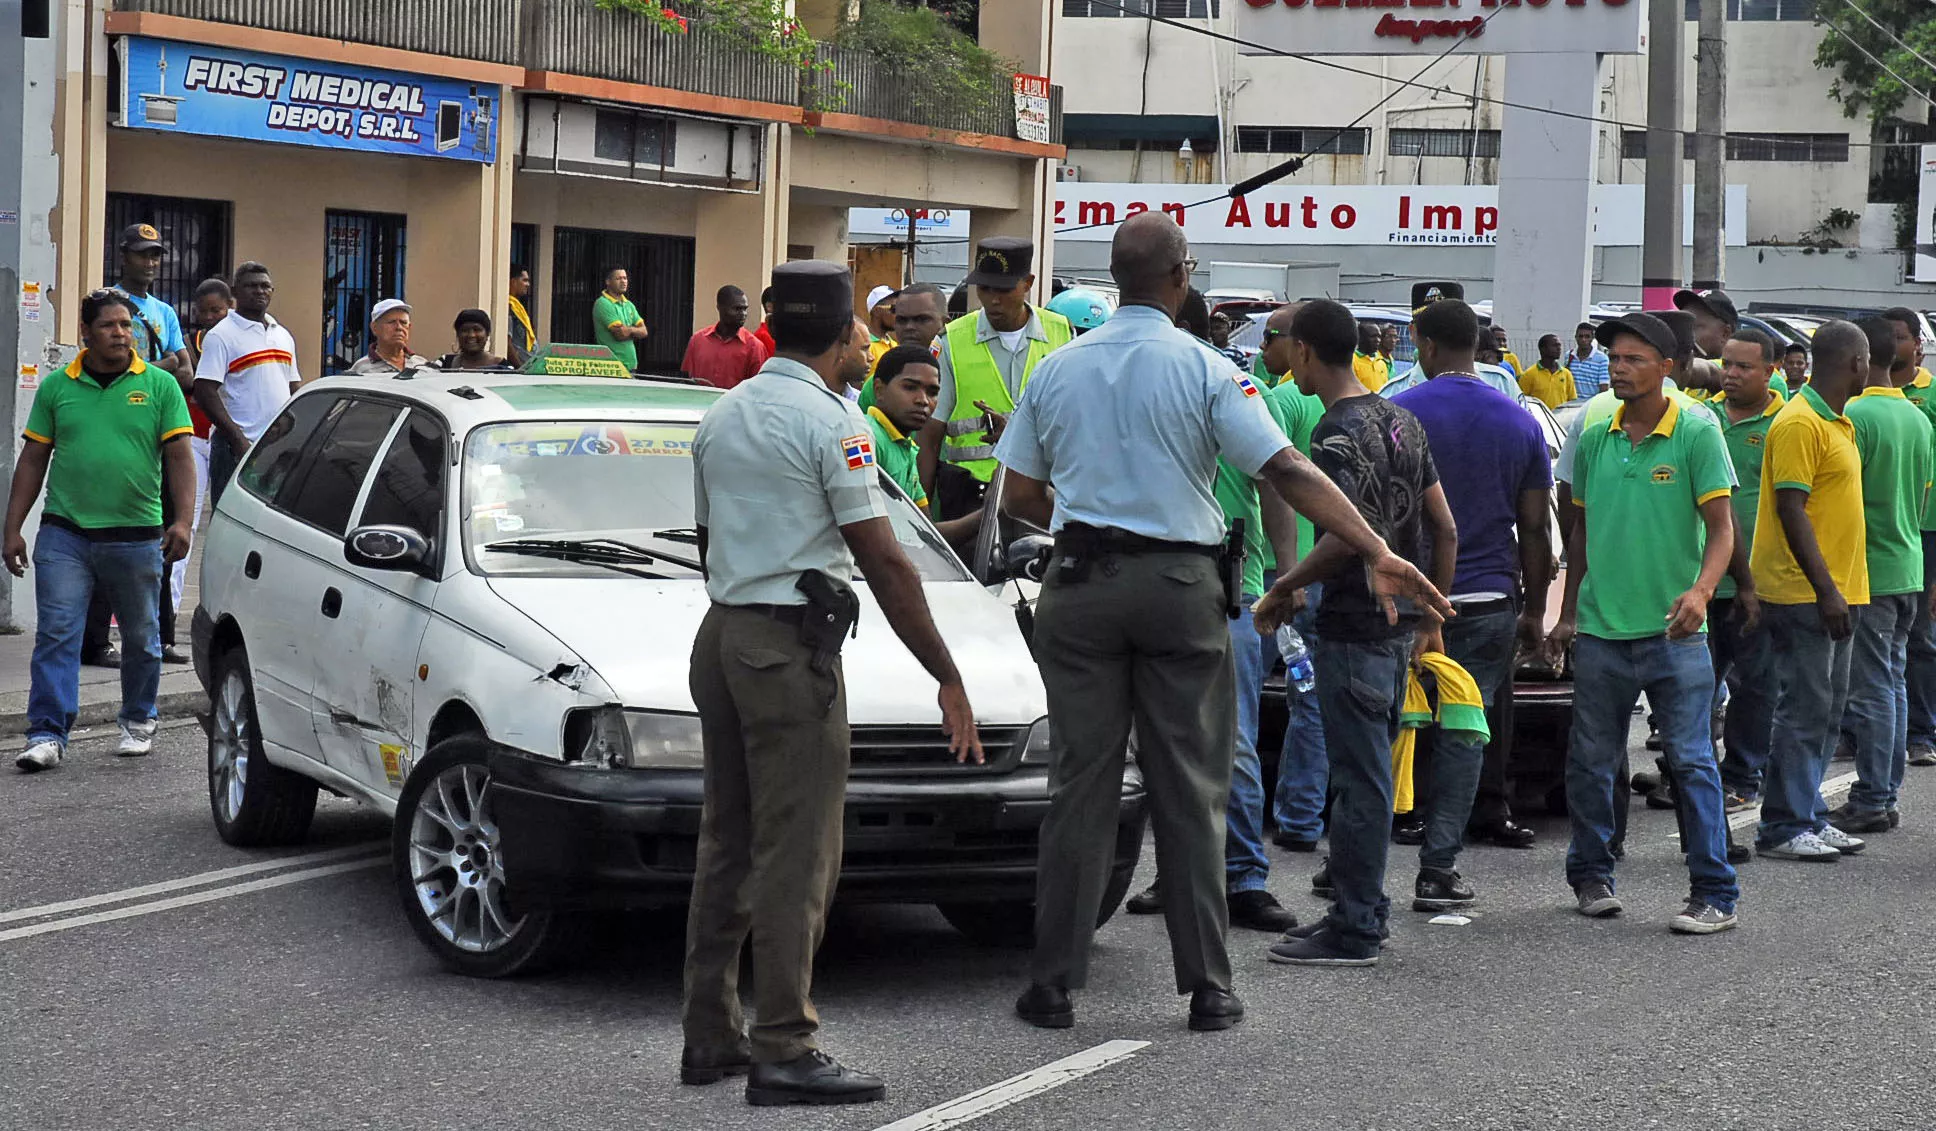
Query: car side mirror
1028	556
386	547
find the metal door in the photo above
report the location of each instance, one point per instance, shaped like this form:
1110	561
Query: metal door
661	268
197	233
362	264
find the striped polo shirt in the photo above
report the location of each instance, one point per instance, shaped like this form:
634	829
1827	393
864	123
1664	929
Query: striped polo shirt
255	363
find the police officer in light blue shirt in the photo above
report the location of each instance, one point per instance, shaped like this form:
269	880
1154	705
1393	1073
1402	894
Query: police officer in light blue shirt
1124	425
1493	375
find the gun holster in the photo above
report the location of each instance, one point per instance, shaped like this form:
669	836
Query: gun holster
833	614
1231	565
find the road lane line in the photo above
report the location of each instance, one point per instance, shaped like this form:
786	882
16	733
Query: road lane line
1749	818
201	880
1015	1089
189	900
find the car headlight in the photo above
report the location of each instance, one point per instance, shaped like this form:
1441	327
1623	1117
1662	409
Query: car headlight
612	738
1035	744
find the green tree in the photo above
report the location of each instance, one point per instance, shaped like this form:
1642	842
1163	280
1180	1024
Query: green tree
1852	45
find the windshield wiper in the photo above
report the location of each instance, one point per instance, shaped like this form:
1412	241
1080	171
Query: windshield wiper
685	534
621	556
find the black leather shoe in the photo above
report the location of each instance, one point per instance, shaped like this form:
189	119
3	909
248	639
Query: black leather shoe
1046	1007
1211	1010
1149	901
710	1068
1503	834
811	1078
1290	843
1259	911
1408	830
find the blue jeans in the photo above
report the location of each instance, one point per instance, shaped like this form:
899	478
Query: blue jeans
1678	678
1483	645
1922	657
1245	866
1361	685
1741	660
67	567
1878	699
1811	682
1302	768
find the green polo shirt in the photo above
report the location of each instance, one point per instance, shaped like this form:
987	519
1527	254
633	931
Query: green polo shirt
609	312
1745	442
106	470
1921	392
1236	492
897	455
1645	536
1897	459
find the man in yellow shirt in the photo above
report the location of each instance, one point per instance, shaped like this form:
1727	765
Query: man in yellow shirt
1810	565
1548	381
1366	365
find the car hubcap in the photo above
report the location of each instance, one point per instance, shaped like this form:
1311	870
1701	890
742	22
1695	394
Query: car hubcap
456	867
229	743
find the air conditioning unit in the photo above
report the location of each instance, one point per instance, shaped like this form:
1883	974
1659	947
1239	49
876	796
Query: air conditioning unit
1068	173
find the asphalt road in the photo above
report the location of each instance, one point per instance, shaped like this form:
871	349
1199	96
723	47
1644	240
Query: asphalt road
295	996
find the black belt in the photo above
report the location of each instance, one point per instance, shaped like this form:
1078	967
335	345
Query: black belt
785	614
1482	608
1109	540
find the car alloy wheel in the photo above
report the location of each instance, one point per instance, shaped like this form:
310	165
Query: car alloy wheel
456	863
228	739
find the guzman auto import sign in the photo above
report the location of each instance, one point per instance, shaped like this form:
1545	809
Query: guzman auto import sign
1454	215
1427	27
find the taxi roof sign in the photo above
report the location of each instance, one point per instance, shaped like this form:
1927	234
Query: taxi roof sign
562	360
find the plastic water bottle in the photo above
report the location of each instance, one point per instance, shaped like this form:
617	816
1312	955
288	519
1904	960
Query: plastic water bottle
1298	670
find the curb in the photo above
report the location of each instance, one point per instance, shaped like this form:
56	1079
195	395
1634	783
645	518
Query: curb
168	705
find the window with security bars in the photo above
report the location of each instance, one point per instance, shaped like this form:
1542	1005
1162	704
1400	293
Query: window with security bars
1303	139
1444	143
1790	148
1166	9
1786	11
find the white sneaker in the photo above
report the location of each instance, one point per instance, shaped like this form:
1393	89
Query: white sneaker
40	756
1840	841
1802	846
136	740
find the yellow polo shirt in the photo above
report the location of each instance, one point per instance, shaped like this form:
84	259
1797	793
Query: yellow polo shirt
1552	387
1369	371
1810	447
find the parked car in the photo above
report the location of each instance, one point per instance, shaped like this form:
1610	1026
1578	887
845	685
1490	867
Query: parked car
469	599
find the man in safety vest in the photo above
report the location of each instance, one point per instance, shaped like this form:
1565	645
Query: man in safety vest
986	358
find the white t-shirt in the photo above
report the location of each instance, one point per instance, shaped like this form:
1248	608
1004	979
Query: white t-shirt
1012	340
255	363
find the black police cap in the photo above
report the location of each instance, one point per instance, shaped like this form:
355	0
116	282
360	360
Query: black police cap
1002	262
1424	294
813	288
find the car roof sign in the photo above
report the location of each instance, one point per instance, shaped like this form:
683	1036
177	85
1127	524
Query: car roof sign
562	360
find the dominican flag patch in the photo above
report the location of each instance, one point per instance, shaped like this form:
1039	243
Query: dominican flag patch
859	451
1247	385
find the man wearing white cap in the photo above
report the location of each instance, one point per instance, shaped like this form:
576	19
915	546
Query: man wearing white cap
880	324
389	340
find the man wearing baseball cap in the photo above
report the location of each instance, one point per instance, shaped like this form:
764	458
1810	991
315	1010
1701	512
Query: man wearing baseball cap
389	340
987	356
1423	295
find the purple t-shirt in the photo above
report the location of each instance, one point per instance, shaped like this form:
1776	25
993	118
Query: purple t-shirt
1488	450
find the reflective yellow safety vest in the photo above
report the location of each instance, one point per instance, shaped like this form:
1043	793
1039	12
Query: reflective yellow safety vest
978	378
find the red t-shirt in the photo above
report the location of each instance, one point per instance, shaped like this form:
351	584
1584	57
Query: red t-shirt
724	362
766	338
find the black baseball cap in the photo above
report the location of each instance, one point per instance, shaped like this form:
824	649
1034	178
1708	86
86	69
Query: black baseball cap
1002	262
1648	327
141	237
1716	303
813	289
1424	294
1682	324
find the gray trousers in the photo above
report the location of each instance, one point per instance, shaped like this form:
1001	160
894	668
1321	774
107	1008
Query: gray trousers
1142	640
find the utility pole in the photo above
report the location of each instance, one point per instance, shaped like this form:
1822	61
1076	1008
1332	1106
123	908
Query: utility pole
1660	253
1710	145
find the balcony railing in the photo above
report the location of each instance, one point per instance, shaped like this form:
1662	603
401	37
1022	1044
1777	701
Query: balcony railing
486	30
577	37
861	84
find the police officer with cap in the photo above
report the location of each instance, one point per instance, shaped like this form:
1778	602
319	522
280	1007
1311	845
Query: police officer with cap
1126	425
987	356
766	678
1424	294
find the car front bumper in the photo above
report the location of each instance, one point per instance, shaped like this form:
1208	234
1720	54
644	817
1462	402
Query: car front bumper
578	838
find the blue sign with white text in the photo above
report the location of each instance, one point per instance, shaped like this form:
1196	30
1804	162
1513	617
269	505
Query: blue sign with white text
216	91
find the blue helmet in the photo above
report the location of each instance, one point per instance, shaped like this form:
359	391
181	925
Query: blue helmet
1085	309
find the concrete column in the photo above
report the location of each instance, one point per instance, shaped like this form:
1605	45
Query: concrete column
739	237
1660	258
1543	263
1710	147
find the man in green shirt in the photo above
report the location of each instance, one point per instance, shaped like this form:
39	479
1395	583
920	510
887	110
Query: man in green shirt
906	383
1653	538
1894	439
97	436
1906	373
616	322
1747	404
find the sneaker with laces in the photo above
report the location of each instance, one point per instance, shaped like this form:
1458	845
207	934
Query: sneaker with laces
1321	948
1597	901
1739	802
1922	754
1840	841
1802	846
1701	918
137	739
1299	934
1441	889
43	755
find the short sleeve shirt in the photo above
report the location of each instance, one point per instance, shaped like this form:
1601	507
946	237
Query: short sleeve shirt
1747	443
1812	448
106	470
1921	392
1552	387
1601	407
157	332
780	464
610	312
255	363
723	362
1642	503
1126	423
1894	440
898	454
1378	455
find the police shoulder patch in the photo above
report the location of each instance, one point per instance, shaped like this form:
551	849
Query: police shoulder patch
858	451
1245	383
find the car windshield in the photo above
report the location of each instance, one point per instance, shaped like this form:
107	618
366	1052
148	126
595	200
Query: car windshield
541	489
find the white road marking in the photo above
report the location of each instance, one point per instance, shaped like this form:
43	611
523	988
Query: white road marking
1749	818
1015	1089
201	880
190	900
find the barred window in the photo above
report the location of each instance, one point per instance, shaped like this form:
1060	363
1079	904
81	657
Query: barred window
1303	139
1787	11
1166	9
1444	143
1790	148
